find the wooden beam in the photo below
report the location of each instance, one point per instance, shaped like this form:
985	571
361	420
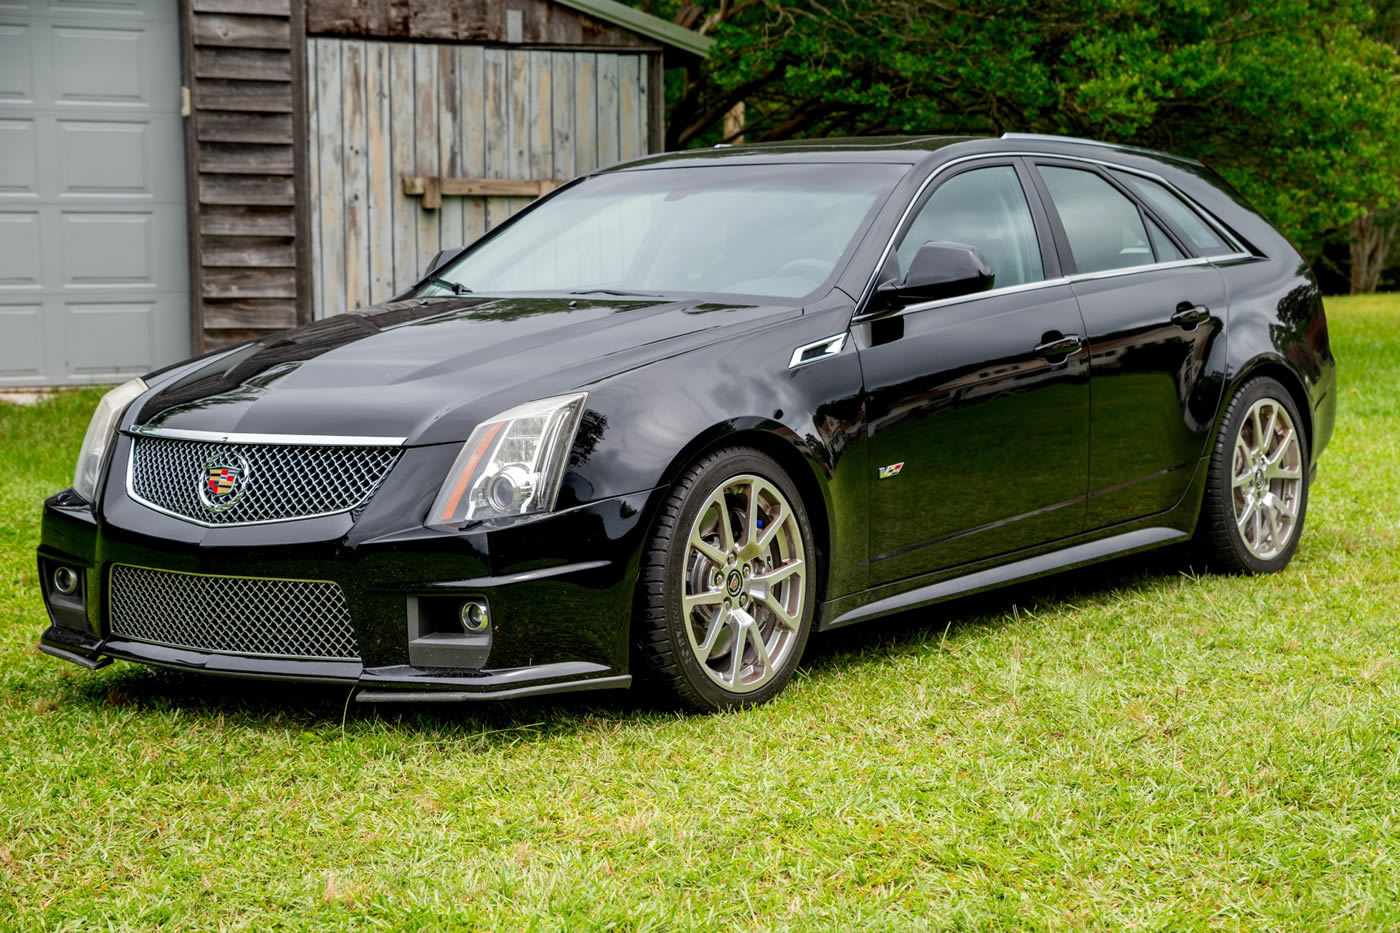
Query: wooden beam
244	7
238	94
246	159
241	220
243	32
249	283
431	188
248	64
250	313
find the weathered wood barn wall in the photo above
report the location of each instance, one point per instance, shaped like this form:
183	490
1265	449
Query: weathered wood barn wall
245	149
306	116
530	91
478	112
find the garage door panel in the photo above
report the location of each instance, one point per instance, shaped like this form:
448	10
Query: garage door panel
93	248
104	158
109	339
114	7
16	64
18	158
107	249
19	249
21	342
98	66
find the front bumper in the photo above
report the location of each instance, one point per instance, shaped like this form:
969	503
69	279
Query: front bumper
559	588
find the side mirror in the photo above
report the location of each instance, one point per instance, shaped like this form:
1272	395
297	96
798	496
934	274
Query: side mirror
940	270
442	259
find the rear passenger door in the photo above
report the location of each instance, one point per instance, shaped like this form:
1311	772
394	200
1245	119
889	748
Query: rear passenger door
1153	309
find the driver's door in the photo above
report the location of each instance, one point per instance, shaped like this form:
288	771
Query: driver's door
978	407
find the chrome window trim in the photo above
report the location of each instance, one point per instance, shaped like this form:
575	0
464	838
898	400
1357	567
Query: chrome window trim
1151	266
830	346
960	299
285	440
867	292
1047	283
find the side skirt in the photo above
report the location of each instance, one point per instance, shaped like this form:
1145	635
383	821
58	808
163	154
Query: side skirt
1031	567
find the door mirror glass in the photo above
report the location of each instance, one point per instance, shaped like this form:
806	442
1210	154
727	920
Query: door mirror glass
941	270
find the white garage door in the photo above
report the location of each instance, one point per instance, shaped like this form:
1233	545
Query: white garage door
93	256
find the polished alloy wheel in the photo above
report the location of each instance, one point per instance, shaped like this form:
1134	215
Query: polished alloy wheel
745	572
1266	477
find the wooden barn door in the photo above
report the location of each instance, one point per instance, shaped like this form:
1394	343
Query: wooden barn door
380	111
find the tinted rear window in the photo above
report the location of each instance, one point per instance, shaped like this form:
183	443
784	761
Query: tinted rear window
1206	241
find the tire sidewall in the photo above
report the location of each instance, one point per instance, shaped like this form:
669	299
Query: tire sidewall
1220	489
711	477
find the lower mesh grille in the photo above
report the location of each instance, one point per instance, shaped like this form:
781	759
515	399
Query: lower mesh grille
305	619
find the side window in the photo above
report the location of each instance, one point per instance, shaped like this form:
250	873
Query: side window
985	208
1206	241
1104	228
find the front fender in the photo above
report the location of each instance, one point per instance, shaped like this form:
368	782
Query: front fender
649	423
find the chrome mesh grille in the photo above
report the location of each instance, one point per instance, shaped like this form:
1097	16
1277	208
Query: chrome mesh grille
306	619
281	481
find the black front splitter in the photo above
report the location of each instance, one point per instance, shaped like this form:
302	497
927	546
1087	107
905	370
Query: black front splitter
396	684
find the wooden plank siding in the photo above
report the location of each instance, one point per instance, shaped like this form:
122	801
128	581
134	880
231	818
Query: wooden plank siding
542	23
383	110
244	68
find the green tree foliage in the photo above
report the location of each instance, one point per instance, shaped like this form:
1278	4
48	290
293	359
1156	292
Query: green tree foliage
1295	101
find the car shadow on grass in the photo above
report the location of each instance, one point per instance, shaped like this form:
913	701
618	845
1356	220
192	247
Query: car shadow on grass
326	708
910	631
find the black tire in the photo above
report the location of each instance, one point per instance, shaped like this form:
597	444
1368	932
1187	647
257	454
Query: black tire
665	663
1219	542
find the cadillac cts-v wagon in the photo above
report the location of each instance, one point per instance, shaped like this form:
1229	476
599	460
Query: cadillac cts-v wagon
680	414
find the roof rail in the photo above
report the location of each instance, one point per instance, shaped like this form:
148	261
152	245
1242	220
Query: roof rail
1051	138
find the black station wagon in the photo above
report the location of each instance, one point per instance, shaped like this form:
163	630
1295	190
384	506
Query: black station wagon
678	415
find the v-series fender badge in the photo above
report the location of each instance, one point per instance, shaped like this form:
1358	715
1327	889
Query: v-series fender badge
892	470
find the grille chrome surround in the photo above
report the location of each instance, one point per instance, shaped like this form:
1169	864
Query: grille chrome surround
264	617
284	481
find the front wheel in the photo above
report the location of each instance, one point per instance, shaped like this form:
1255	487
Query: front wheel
1257	489
727	588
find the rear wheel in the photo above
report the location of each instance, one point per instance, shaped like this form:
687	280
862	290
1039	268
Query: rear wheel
727	587
1257	490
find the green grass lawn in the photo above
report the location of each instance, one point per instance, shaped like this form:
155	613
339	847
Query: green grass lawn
1124	746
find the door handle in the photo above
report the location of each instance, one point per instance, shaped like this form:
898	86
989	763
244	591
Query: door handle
1189	316
1063	348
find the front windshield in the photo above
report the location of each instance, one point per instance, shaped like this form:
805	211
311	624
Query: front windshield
766	231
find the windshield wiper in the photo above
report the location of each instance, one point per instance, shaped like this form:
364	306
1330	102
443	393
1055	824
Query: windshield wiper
457	288
613	291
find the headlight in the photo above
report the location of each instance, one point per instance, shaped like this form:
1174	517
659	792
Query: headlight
511	465
99	435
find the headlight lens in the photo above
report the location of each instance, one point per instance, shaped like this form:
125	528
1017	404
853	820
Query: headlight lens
99	435
511	465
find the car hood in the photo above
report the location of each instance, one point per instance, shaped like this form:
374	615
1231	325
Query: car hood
430	370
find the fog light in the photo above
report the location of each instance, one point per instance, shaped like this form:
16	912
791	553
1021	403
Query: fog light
475	616
65	580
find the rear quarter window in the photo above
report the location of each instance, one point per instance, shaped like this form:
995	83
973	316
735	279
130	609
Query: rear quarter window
1202	236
